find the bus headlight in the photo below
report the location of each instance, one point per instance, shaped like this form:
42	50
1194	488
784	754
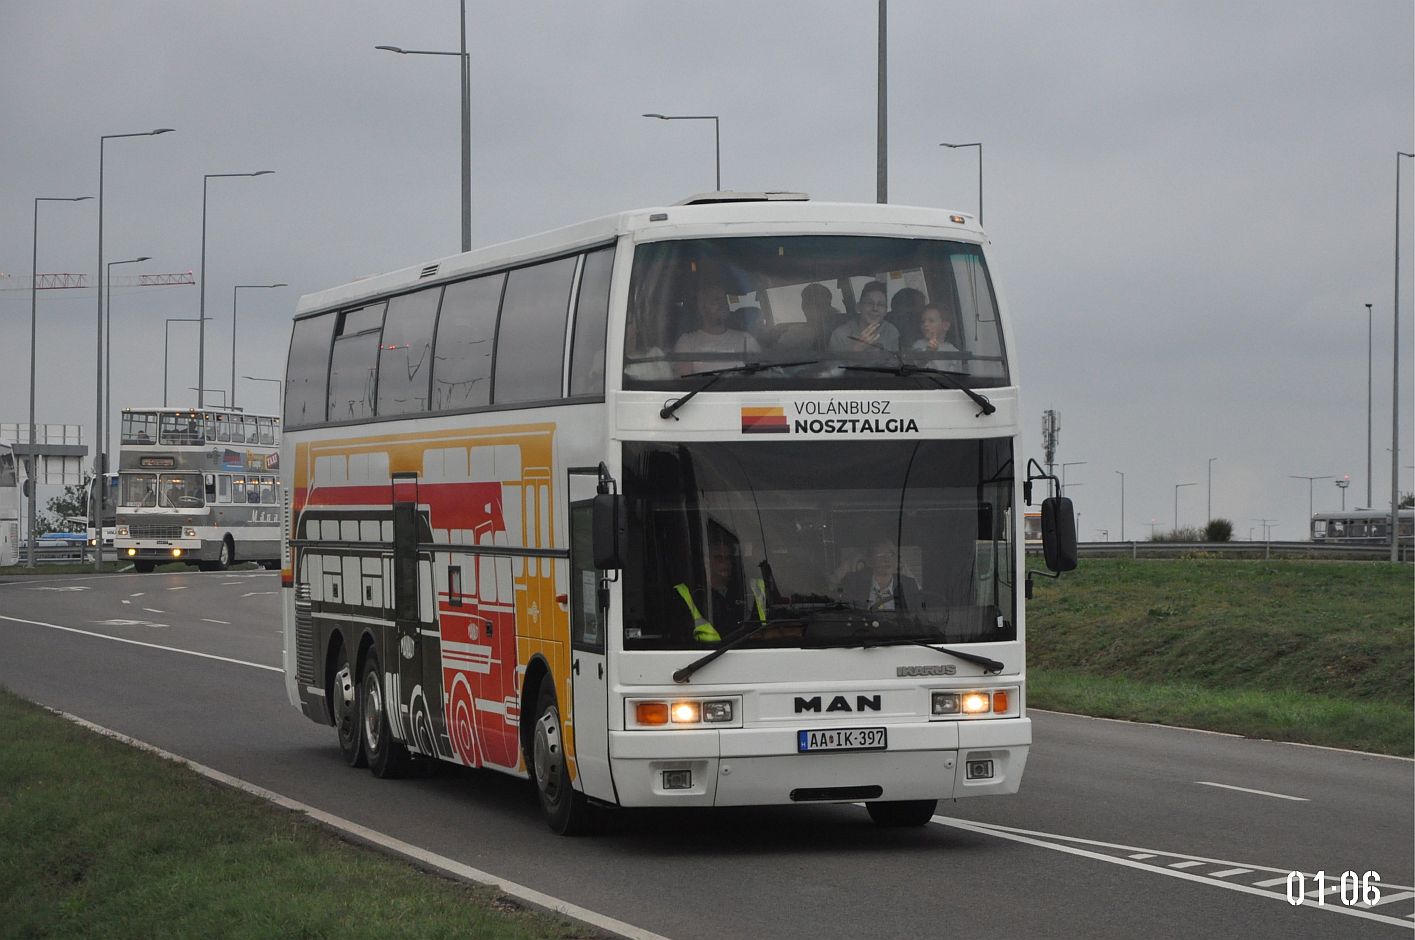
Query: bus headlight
972	703
975	703
121	531
176	553
680	713
189	532
132	552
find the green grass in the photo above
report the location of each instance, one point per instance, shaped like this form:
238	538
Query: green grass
1314	651
101	839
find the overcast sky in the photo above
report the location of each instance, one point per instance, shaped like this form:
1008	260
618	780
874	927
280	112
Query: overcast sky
1190	203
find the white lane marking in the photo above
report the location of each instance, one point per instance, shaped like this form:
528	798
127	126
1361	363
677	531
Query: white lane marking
1397	896
1190	864
1142	855
138	594
209	620
128	623
1229	786
1039	839
1228	872
125	601
154	610
440	862
155	646
257	593
75	587
179	588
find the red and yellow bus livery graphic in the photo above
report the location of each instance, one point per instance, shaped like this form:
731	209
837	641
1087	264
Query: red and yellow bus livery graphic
764	419
492	613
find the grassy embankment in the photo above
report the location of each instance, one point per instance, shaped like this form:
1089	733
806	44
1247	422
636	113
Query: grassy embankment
1313	651
100	839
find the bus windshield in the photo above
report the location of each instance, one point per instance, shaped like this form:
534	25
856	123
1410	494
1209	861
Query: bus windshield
182	430
825	311
902	541
163	490
139	427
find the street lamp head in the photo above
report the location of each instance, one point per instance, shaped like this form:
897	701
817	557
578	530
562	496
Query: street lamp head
143	258
661	117
396	49
281	284
160	130
262	173
83	198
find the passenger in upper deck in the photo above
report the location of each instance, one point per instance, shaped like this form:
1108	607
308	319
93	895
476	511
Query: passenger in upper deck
869	332
904	310
934	325
713	335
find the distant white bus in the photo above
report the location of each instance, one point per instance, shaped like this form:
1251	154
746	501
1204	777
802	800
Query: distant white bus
9	506
198	486
1361	526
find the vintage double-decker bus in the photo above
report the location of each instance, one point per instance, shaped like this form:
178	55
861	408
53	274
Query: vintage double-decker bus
198	486
704	505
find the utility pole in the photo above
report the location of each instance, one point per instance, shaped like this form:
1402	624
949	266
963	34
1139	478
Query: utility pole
882	112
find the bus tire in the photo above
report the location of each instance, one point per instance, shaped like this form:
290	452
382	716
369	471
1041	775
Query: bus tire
344	701
900	813
567	811
144	567
387	758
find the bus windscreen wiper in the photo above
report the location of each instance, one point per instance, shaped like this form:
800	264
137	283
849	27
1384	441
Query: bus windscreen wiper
732	642
950	379
712	375
989	665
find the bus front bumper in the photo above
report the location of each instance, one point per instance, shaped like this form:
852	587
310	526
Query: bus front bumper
753	766
158	549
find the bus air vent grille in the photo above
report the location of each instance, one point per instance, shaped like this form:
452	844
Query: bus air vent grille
304	635
428	271
155	531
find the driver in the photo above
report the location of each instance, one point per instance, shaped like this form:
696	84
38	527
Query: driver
724	598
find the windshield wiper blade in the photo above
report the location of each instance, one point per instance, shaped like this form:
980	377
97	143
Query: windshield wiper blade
732	642
712	375
989	665
943	377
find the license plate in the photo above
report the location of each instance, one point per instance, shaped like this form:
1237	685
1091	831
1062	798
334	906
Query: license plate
841	739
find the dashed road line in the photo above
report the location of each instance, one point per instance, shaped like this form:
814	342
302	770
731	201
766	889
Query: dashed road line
154	610
1229	786
180	587
1190	868
209	620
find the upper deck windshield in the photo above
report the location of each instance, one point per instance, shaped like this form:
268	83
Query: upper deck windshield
905	540
829	311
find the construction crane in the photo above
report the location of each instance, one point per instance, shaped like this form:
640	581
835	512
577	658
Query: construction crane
76	281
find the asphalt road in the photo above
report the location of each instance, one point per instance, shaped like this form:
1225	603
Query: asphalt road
1120	829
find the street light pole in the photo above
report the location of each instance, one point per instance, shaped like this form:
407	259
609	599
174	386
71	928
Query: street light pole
465	73
1342	484
980	173
166	336
221	390
716	136
1211	488
1176	502
201	313
1369	504
33	333
108	346
233	332
279	391
1310	481
882	109
1395	381
99	435
1122	505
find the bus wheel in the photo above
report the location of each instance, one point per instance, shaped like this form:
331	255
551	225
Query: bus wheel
902	812
143	567
566	809
344	693
387	758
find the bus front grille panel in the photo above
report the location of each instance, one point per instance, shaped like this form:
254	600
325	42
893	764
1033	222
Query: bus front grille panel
155	531
304	635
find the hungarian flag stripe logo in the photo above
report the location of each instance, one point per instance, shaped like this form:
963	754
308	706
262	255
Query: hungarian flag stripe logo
765	420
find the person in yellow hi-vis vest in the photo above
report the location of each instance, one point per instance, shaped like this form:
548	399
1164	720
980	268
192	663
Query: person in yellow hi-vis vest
724	605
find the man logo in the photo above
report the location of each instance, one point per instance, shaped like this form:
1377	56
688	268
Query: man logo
838	704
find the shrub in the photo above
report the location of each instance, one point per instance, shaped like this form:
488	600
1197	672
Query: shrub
1188	534
1218	530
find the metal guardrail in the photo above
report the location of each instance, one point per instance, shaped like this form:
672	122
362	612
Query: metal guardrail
1324	550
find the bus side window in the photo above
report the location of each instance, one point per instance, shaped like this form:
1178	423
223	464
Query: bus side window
591	318
267	491
461	371
530	343
307	370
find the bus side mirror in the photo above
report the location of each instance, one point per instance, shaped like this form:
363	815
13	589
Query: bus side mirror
610	526
1058	534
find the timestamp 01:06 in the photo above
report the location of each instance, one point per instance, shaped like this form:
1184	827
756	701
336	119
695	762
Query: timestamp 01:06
1352	889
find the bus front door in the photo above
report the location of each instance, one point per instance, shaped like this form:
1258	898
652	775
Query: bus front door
416	658
588	670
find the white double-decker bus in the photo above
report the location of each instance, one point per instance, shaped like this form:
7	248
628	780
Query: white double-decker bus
705	505
9	506
198	486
